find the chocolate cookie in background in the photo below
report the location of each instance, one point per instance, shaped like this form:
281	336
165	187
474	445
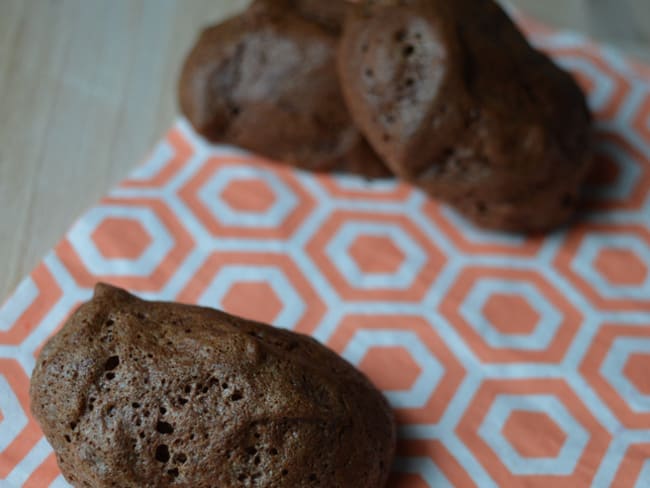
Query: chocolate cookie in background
455	100
267	81
148	394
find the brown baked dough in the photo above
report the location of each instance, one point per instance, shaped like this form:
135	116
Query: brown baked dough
454	99
267	81
148	394
329	14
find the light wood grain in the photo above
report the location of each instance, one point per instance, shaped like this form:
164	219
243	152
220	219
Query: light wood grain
87	86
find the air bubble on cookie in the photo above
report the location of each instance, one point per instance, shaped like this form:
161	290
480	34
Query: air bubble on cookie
254	333
408	50
164	428
112	363
162	453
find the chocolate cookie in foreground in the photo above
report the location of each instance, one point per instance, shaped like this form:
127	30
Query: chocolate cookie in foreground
267	81
147	394
455	100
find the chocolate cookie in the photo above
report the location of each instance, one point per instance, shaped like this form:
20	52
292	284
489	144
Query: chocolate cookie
455	100
267	81
148	394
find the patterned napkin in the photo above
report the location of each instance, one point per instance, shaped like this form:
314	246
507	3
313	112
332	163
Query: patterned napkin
509	361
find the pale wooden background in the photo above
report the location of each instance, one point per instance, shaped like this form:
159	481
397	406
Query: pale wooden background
87	86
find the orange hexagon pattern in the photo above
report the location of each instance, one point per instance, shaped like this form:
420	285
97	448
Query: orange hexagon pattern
508	360
510	316
533	432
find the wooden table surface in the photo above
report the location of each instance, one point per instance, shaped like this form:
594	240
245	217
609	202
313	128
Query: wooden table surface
87	86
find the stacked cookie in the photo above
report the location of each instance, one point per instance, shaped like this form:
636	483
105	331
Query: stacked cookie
448	96
267	81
